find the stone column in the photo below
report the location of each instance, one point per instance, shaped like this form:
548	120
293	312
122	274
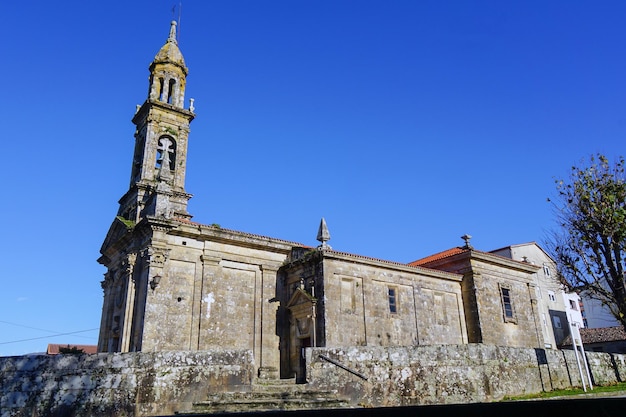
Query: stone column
470	287
202	283
532	293
269	340
128	266
148	317
105	320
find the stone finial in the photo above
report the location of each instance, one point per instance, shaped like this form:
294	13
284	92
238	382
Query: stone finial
323	235
191	106
172	37
467	238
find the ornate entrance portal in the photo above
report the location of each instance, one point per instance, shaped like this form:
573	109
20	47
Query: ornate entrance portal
301	331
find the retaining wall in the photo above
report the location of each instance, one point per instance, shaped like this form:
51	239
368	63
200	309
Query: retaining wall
149	384
449	374
118	384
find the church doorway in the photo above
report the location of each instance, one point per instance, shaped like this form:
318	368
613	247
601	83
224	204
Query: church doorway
301	373
301	311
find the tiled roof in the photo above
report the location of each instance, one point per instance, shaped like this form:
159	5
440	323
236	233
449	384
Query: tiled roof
599	335
54	349
437	256
369	258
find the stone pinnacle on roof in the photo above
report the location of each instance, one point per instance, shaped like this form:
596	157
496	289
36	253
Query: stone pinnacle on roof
169	53
172	37
467	238
323	236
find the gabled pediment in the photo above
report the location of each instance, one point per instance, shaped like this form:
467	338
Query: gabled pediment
119	228
300	297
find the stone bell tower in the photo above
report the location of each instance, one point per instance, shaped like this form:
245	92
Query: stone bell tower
157	182
137	245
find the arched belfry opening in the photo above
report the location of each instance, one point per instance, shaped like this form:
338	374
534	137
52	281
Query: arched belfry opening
160	88
171	91
166	153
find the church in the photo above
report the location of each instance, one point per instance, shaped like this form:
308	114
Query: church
172	284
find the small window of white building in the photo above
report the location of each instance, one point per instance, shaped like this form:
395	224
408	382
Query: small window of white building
546	271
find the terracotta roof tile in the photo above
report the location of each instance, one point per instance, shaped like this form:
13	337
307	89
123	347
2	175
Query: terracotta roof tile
599	335
603	334
438	256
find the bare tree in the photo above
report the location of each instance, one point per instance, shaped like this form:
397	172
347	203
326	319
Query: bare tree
589	245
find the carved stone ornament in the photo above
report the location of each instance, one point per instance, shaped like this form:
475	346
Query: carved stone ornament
128	263
108	280
303	327
156	256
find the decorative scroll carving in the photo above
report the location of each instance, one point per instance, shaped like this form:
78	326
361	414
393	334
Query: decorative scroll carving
210	260
106	282
128	262
155	256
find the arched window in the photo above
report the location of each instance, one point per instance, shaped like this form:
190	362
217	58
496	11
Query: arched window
171	91
161	85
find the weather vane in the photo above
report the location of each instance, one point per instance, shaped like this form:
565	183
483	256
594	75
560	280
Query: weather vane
180	8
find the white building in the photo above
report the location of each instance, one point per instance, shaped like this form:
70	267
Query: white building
575	309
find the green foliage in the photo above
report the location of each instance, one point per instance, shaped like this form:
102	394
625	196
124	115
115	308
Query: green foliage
589	246
73	350
597	390
128	223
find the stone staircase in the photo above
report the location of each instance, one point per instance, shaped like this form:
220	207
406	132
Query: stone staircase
269	395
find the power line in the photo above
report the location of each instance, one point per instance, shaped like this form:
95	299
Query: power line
46	337
27	327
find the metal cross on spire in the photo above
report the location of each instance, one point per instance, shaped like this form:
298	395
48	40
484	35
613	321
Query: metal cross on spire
467	238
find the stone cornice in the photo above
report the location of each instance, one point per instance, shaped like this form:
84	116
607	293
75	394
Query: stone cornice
486	257
218	234
144	111
364	260
506	262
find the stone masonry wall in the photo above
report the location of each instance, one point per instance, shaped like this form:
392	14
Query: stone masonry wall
447	374
148	384
118	384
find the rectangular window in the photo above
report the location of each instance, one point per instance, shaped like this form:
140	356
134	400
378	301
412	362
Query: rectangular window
572	305
551	296
557	322
546	271
507	304
393	300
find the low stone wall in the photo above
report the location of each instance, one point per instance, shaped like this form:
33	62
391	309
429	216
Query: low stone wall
148	384
449	374
120	384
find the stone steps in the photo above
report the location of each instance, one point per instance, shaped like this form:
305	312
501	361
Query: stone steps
269	395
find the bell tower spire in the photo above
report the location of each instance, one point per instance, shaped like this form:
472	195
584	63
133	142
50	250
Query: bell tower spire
157	182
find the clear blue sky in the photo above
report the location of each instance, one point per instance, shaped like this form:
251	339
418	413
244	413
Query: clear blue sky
406	124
